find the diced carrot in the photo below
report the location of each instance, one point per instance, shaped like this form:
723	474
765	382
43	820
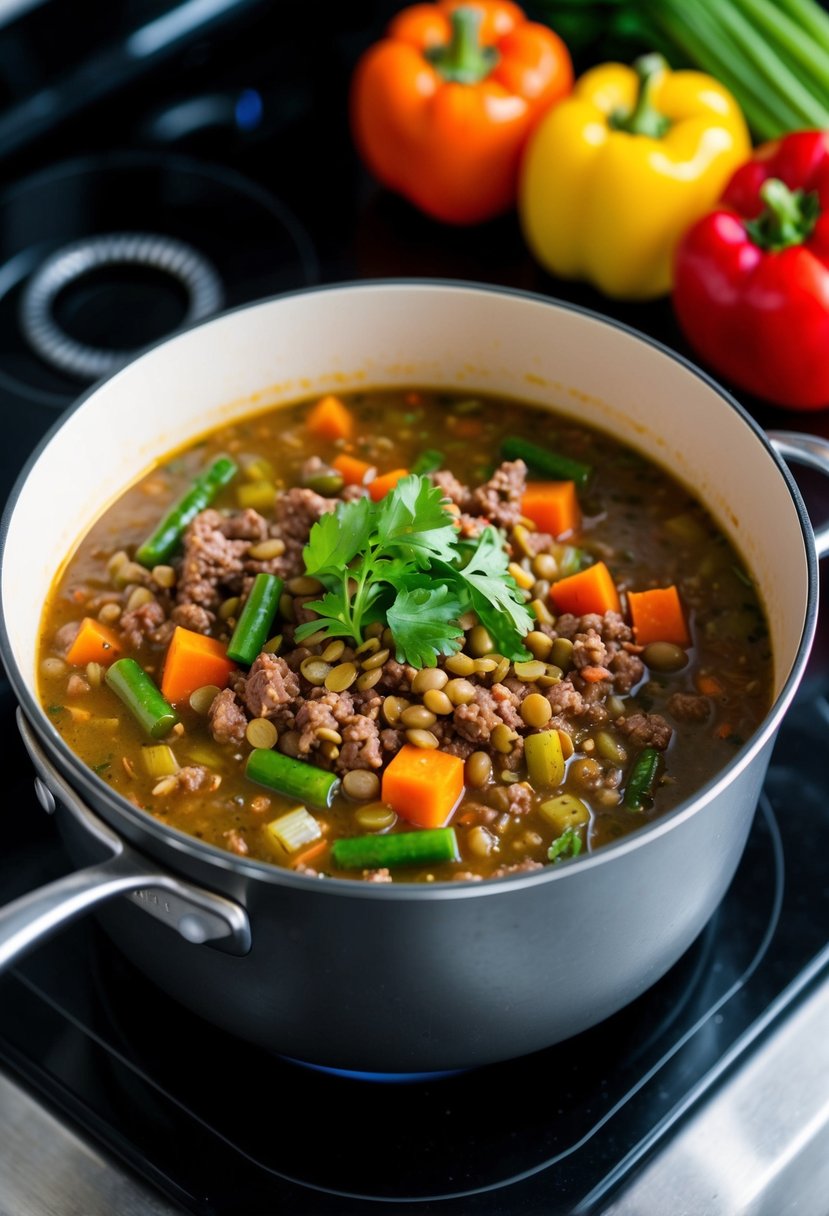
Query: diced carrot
94	643
709	685
354	471
423	785
192	661
590	590
594	674
331	419
553	506
380	487
657	616
723	731
303	858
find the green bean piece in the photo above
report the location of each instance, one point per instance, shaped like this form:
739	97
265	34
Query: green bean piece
426	847
642	779
428	462
547	463
294	778
162	542
129	681
254	624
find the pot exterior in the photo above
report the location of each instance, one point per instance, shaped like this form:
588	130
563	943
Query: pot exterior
455	981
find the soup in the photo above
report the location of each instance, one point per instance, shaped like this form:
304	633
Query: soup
406	636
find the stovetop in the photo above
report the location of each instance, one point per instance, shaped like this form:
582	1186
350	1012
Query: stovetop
234	139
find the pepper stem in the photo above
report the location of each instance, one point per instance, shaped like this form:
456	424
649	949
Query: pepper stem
788	218
644	118
463	59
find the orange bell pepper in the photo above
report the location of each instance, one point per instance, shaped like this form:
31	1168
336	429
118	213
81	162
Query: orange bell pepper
442	106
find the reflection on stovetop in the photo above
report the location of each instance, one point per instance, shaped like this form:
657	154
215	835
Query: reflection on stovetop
174	1097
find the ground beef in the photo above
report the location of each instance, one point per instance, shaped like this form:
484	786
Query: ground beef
295	513
515	799
143	622
646	730
538	542
193	616
235	841
477	720
361	747
453	489
689	707
226	718
213	561
396	678
519	867
499	499
270	686
311	718
565	700
391	740
65	636
627	670
382	875
588	649
196	777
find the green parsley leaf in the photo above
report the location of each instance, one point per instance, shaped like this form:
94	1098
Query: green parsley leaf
568	844
495	596
401	560
424	624
338	536
413	520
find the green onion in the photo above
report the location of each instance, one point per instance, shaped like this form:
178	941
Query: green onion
142	698
426	847
545	462
256	618
772	56
158	546
428	462
294	778
642	779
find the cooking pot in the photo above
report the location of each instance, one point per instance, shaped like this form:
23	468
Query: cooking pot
401	977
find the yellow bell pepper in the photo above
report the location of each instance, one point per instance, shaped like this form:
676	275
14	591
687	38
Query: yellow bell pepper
616	173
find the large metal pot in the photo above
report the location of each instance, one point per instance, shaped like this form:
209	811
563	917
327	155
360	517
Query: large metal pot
402	977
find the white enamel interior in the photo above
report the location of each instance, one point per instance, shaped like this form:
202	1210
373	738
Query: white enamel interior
388	334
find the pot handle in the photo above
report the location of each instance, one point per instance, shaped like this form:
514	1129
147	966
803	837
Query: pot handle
810	450
197	914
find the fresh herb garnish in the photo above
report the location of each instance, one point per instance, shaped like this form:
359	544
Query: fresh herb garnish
402	561
568	844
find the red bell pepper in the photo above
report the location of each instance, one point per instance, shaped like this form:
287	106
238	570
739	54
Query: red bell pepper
751	283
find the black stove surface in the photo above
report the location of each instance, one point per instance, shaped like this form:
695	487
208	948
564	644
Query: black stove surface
237	142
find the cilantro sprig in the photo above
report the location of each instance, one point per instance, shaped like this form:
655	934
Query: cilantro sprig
401	561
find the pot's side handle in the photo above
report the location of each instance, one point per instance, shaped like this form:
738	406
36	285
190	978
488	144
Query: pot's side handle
810	450
36	916
198	915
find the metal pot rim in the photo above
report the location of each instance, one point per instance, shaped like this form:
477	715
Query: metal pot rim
118	807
